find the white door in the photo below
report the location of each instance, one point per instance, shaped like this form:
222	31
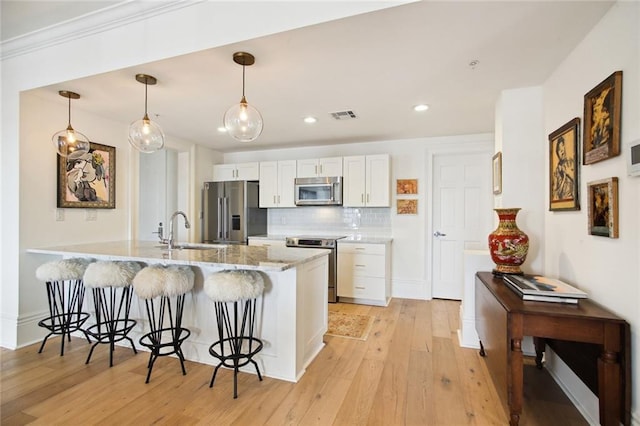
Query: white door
462	217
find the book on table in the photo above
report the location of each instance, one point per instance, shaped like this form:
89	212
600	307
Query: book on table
540	288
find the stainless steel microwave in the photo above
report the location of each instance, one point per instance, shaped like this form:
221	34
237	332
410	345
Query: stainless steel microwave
318	191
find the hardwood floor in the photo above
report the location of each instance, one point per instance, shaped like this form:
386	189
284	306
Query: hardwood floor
410	371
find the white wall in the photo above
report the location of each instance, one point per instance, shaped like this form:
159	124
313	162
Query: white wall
410	250
605	268
519	134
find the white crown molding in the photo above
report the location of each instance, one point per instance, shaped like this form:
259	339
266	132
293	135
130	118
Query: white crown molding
92	23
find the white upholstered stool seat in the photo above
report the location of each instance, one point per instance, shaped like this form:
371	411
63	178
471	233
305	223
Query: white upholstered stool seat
110	282
65	296
234	294
163	288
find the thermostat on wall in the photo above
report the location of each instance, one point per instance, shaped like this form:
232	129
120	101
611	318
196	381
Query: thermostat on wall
634	158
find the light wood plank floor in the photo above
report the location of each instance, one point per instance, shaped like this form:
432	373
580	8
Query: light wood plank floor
410	371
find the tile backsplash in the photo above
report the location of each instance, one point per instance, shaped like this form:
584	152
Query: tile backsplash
330	220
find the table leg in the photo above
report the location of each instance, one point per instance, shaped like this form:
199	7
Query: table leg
540	344
609	380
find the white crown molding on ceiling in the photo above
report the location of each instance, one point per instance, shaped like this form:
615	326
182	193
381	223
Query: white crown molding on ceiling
118	15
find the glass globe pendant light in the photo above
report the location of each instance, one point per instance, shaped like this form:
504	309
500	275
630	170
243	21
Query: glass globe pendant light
242	121
145	135
68	141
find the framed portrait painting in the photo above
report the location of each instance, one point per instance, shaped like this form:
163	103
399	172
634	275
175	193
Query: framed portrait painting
602	119
88	180
497	173
564	167
602	196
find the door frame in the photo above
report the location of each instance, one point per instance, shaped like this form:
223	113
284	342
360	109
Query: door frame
476	144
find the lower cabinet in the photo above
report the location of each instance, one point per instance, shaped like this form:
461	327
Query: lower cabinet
364	273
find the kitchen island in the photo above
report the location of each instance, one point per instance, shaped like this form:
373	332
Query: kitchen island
292	313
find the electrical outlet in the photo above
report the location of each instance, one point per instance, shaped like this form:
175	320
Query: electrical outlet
60	215
91	214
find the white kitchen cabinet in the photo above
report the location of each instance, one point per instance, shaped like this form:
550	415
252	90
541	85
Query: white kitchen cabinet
366	181
239	171
263	242
277	183
364	273
315	167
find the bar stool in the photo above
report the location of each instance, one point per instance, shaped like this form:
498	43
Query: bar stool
110	282
237	346
163	289
65	295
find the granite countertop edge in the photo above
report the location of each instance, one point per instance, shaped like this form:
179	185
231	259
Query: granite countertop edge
255	258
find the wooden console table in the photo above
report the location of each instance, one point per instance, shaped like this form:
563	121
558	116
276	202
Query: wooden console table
503	318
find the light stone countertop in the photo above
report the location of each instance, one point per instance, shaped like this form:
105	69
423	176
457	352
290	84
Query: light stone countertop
231	256
363	239
358	238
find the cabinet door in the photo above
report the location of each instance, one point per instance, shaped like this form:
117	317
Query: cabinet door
353	189
268	184
330	166
307	168
224	172
286	181
377	181
247	171
345	274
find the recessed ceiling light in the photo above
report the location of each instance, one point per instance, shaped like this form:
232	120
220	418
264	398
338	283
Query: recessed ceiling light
222	129
421	107
310	120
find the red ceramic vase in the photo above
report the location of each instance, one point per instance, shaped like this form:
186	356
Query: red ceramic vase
508	245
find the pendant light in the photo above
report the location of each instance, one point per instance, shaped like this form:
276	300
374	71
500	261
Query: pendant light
242	121
68	141
145	135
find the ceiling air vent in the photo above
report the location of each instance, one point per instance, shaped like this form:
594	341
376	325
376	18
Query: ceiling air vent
344	115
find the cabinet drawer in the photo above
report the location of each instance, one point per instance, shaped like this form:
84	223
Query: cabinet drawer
368	265
363	288
267	243
361	248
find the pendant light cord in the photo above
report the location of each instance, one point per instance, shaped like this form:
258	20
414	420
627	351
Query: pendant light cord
69	123
243	66
145	98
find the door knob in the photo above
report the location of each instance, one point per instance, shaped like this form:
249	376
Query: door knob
439	234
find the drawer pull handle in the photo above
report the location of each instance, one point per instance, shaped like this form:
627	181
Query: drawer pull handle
360	248
361	288
361	266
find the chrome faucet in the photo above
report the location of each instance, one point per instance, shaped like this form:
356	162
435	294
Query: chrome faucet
186	225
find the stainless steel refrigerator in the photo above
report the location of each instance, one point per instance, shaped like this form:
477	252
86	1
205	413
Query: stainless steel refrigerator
231	213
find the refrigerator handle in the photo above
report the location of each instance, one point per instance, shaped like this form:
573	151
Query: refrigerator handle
227	223
220	219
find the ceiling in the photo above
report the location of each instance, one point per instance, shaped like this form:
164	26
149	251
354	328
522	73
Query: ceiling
378	65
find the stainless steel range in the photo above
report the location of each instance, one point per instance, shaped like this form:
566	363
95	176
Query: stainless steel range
325	243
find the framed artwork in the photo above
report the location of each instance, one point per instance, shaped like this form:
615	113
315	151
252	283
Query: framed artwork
563	167
602	118
407	206
406	186
88	180
602	196
497	173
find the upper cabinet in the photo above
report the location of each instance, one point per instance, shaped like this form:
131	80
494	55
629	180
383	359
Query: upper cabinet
366	181
315	167
277	183
240	171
